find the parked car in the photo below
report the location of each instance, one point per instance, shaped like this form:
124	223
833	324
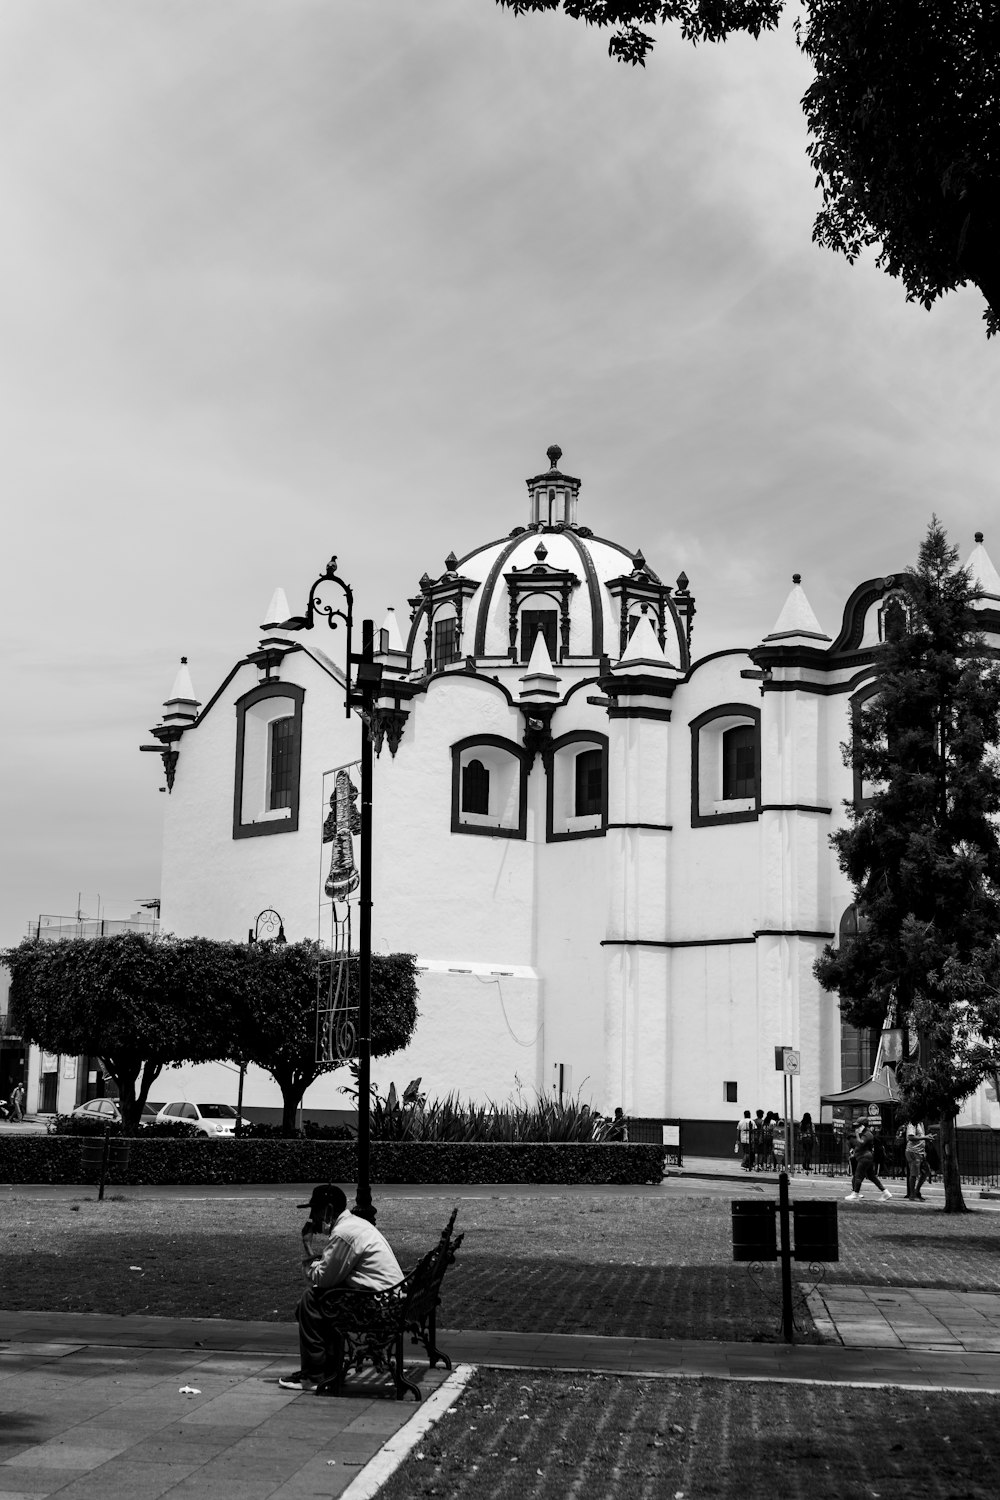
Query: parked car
102	1112
207	1119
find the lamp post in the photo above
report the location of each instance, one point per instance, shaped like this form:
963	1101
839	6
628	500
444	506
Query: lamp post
362	696
262	931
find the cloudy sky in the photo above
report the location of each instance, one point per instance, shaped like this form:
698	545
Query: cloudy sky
288	277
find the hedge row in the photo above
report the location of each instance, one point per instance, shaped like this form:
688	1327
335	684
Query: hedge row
56	1158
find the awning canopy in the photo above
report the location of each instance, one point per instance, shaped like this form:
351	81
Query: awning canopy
880	1090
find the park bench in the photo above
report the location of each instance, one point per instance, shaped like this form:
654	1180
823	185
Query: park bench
369	1327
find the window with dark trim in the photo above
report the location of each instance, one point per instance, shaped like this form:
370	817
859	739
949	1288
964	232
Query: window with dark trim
282	762
446	643
725	765
268	760
576	787
739	762
730	1093
475	788
533	621
589	783
489	787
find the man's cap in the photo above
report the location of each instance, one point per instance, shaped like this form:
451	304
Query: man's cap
323	1196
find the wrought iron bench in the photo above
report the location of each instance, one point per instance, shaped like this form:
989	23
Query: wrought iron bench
368	1327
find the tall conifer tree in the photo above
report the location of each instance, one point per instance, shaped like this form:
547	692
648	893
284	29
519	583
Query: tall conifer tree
923	853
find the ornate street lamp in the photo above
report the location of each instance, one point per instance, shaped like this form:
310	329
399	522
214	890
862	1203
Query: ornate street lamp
268	928
362	695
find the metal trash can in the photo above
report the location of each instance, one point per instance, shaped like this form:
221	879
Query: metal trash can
92	1157
814	1224
754	1233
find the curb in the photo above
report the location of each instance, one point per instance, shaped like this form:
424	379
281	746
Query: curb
377	1470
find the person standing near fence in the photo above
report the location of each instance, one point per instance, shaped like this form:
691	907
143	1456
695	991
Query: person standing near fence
807	1141
864	1165
744	1140
17	1101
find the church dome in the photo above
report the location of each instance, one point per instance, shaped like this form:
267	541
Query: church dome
582	591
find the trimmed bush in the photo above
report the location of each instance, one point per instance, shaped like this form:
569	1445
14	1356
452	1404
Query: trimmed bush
55	1158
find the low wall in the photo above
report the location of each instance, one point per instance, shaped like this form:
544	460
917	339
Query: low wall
59	1159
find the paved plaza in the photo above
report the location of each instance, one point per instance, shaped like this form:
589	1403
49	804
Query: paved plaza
96	1406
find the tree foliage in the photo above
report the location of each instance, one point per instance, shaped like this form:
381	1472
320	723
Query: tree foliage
923	853
137	1002
276	1028
902	117
144	1003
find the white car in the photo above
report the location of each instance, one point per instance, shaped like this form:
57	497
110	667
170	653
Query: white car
207	1119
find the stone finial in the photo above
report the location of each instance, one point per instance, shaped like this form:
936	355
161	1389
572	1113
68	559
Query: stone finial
796	577
553	454
541	552
451	562
638	561
682	582
980	538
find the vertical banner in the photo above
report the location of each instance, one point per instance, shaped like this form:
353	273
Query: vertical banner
340	879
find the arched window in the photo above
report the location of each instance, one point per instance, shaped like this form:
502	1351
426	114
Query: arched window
725	765
475	788
489	787
739	762
589	783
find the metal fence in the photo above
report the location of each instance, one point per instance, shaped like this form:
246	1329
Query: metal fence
650	1131
56	929
978	1156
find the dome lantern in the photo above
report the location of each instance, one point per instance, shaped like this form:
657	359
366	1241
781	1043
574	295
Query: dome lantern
552	494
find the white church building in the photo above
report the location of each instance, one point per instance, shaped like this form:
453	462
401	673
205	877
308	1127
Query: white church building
610	857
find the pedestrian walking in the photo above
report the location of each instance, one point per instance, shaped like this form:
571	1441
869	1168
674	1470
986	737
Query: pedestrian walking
916	1151
864	1165
17	1102
807	1140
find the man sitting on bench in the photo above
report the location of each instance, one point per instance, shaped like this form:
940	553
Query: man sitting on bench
356	1258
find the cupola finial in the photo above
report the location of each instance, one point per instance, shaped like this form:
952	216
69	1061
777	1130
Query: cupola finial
553	453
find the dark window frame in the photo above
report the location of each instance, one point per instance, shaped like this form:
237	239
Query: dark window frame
587	739
475	788
264	690
546	620
447	642
518	753
858	700
585	765
737	786
280	762
697	725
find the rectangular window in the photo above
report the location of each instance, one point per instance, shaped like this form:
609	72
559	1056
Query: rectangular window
730	1092
445	642
282	763
533	621
589	784
739	763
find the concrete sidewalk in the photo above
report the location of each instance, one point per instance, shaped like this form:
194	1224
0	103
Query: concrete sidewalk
96	1407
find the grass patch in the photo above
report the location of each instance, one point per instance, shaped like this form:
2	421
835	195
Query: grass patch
546	1436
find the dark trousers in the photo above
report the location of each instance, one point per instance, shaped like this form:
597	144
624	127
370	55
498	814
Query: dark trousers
311	1315
865	1168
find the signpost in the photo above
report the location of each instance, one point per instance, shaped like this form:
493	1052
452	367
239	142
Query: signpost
787	1062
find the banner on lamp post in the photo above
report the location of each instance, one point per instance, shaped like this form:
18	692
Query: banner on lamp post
340	881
